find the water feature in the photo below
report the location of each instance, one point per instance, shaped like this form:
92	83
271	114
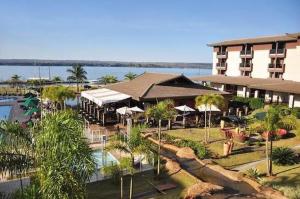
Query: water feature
104	158
93	72
5	112
7	99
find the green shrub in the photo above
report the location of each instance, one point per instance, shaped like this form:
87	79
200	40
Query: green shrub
257	127
284	156
253	173
241	99
114	171
288	122
256	103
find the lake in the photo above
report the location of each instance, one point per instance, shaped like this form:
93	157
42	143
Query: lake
93	72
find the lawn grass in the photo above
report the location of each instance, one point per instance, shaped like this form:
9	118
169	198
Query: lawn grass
108	189
237	158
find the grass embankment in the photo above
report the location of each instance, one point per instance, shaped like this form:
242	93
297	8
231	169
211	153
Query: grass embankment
108	189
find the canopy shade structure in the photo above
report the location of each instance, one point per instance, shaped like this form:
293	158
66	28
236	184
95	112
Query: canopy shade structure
104	96
31	111
184	108
204	108
136	109
31	102
124	110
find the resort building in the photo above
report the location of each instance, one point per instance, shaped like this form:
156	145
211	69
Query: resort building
265	67
143	91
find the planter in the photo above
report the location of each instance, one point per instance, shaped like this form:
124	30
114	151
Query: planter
281	133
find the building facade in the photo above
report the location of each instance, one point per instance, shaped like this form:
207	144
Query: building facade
263	67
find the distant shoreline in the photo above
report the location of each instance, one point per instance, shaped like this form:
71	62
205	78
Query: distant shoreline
57	63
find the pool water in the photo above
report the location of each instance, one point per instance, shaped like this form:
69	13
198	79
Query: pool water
104	158
7	99
5	112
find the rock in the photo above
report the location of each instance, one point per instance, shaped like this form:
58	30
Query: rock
186	152
172	166
202	189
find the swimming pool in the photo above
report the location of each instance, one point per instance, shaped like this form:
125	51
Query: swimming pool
5	112
7	99
104	158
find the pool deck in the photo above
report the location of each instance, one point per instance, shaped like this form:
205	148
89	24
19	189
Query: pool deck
16	112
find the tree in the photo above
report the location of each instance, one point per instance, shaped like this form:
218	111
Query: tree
161	111
63	156
134	145
15	80
16	150
78	74
130	76
56	79
58	95
209	100
108	79
270	124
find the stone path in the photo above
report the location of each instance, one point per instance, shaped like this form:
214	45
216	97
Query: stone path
250	165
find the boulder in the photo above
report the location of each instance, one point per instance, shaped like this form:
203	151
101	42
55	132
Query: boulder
186	152
202	189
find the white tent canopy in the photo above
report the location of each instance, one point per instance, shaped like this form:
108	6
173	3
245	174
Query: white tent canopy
103	96
184	108
212	108
124	110
136	109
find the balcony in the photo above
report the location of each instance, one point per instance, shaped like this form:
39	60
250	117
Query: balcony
246	54
278	68
222	55
280	53
246	67
221	66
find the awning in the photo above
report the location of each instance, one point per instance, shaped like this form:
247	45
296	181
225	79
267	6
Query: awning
136	109
212	108
103	96
124	110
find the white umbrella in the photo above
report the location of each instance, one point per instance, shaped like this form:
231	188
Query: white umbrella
124	110
184	108
136	109
213	108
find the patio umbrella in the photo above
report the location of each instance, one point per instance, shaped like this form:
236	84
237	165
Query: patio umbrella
136	109
124	110
184	108
31	111
213	108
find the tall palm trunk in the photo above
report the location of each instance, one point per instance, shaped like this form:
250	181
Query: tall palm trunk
131	187
159	142
209	124
121	187
267	154
270	157
205	126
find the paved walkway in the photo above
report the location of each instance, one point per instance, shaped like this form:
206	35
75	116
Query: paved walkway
250	165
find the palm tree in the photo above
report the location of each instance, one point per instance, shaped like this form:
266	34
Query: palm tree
58	95
63	157
15	80
161	111
56	79
135	145
271	125
16	149
78	74
130	76
108	79
209	100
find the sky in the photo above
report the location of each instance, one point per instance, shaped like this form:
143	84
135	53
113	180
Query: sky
136	30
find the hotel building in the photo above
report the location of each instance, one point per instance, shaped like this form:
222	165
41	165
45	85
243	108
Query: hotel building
261	67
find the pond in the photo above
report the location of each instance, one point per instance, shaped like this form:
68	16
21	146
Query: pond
7	99
104	158
5	112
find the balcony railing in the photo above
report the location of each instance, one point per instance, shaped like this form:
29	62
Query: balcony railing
222	54
276	68
279	53
246	66
246	53
221	66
